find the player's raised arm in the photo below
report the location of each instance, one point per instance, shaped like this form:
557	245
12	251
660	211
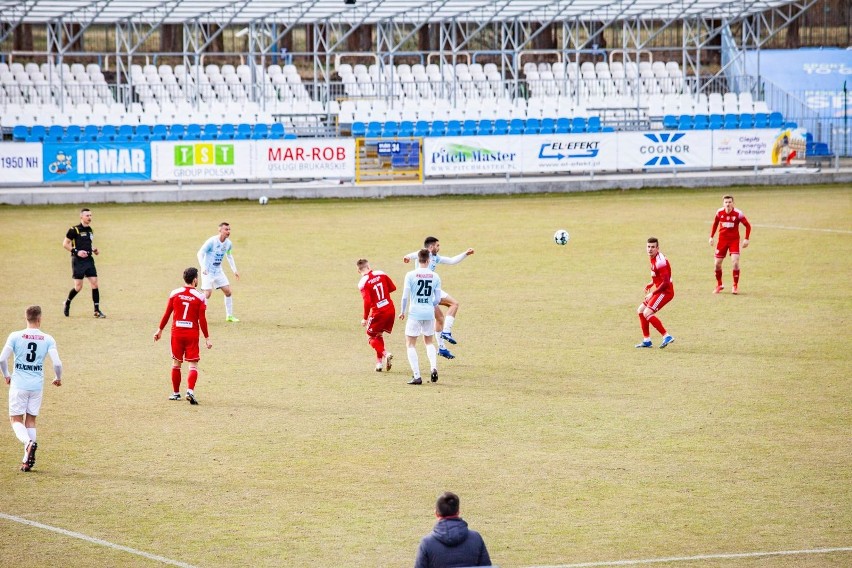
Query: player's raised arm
409	257
456	259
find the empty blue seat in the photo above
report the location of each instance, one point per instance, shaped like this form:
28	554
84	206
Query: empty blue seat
761	120
454	128
517	125
143	129
532	126
468	130
390	128
125	133
406	128
607	129
732	121
177	132
548	126
259	135
438	128
746	120
501	126
56	130
276	131
53	138
684	122
211	128
470	124
593	124
172	136
669	122
359	129
39	132
290	136
821	149
421	128
485	127
193	132
73	134
792	125
776	120
716	121
563	125
260	128
33	138
107	133
578	124
374	129
20	133
141	137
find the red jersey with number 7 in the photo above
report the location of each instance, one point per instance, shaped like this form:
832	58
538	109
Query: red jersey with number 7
376	288
189	307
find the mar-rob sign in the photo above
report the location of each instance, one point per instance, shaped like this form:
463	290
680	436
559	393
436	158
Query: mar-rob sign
309	158
202	160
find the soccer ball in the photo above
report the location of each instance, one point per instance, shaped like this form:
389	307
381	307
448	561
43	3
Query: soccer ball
561	237
263	200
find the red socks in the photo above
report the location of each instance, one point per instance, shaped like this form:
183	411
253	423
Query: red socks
736	276
719	276
658	325
176	379
646	329
377	343
193	376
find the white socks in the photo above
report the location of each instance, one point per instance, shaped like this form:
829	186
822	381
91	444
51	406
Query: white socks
229	306
414	361
432	355
32	433
448	323
21	432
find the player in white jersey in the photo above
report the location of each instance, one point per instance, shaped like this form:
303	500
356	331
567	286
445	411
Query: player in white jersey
421	294
26	383
210	256
443	327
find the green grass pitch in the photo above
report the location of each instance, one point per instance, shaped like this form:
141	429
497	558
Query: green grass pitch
565	443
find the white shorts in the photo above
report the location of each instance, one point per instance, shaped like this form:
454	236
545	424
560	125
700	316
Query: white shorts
214	281
416	328
24	402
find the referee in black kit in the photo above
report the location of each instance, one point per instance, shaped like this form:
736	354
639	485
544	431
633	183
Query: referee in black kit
78	241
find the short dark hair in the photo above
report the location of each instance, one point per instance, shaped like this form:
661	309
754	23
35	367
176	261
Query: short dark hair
653	240
84	209
731	197
447	504
429	241
224	224
362	262
190	274
33	313
423	255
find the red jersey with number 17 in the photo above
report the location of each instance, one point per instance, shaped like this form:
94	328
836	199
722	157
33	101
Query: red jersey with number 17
190	308
661	272
376	288
729	225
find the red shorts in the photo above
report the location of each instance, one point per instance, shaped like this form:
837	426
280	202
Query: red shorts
185	347
660	299
380	322
725	246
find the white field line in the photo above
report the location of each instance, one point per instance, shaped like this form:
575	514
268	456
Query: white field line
842	231
701	557
96	541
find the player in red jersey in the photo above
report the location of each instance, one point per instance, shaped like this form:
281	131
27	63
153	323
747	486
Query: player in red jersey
379	311
658	293
728	219
190	307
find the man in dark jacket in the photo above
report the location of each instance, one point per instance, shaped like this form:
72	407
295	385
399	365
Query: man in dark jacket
451	544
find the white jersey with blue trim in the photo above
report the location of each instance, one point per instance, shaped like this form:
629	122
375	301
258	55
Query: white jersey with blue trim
422	293
436	259
212	253
29	346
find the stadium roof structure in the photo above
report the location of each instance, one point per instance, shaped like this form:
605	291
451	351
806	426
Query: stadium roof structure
511	25
371	11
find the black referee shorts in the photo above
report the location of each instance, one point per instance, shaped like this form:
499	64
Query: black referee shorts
83	268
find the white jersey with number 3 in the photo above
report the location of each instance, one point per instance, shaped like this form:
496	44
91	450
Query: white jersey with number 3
29	346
